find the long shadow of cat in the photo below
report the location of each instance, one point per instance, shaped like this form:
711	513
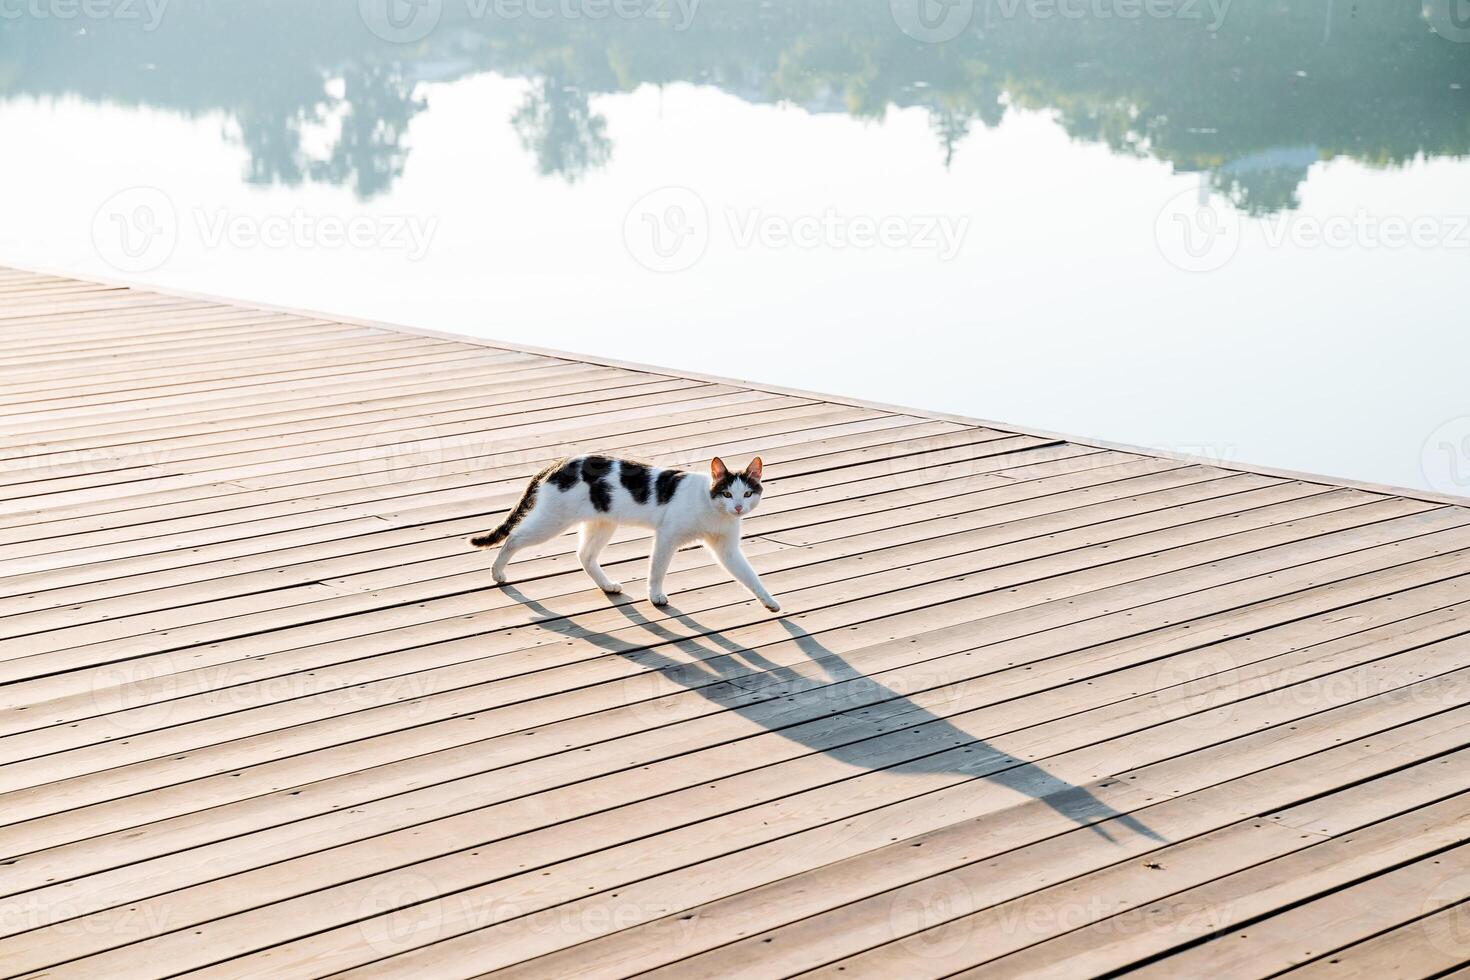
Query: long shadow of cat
840	712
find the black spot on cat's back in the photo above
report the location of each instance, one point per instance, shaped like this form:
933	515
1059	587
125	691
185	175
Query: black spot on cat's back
636	479
667	483
595	467
594	473
601	493
565	476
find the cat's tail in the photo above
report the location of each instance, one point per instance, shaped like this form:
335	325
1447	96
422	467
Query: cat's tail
523	507
491	538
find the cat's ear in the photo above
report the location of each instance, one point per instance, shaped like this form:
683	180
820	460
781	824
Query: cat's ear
717	469
754	469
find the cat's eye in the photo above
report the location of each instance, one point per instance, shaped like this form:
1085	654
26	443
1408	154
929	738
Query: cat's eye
728	494
749	492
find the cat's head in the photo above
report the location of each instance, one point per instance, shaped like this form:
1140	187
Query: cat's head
735	492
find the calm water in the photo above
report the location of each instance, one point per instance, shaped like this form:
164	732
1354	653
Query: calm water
1237	229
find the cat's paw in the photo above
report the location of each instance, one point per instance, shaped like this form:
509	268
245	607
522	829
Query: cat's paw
500	577
658	598
613	588
772	605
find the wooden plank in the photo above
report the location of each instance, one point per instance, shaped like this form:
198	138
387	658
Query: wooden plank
265	342
462	794
219	559
180	335
348	942
454	440
262	712
1345	916
813	565
447	432
139	375
339	485
288	801
1028	844
494	385
553	560
173	396
116	386
1431	946
436	483
1143	908
55	795
441	367
774	430
408	415
143	329
40	315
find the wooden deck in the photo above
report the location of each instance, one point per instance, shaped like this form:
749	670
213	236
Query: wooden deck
1035	707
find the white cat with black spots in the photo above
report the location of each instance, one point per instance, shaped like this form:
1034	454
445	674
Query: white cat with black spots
600	493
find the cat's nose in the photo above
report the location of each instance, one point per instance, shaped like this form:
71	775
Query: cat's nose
739	508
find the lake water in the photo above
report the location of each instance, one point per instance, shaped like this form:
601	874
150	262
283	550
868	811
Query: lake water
1239	230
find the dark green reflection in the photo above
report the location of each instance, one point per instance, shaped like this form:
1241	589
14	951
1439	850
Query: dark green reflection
1280	85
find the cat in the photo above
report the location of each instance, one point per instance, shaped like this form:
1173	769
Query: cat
601	492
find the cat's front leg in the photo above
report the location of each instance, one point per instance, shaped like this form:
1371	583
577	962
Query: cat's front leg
727	552
664	546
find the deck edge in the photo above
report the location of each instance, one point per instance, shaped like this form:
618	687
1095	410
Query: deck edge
1409	493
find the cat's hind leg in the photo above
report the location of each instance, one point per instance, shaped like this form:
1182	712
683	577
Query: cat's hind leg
595	536
541	524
